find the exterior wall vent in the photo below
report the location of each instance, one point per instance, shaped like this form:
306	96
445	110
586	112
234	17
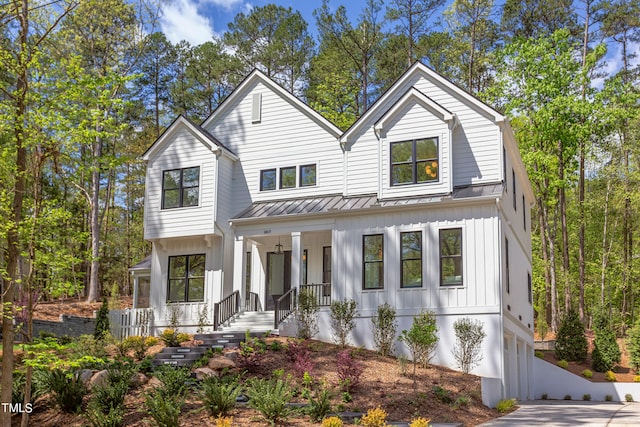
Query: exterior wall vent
256	108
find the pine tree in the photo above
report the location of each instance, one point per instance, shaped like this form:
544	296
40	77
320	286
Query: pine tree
606	352
571	342
102	321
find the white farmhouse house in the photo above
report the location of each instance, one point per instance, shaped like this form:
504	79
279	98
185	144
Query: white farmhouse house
423	204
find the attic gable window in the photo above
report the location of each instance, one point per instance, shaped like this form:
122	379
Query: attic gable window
180	187
415	161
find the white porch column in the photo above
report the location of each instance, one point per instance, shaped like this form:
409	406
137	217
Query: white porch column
239	267
135	290
296	260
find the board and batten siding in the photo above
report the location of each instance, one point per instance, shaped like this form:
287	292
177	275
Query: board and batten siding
415	122
283	137
184	151
481	266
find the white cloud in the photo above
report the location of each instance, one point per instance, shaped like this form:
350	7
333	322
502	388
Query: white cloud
613	62
181	21
227	4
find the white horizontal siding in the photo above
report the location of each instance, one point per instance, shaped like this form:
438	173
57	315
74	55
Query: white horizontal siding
414	122
480	270
184	151
284	137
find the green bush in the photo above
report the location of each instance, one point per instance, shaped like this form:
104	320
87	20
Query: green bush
606	353
469	337
307	314
319	405
610	376
442	394
270	398
102	321
586	397
164	410
66	388
539	354
571	342
114	417
506	405
384	327
608	398
544	396
421	339
567	397
563	364
587	373
174	381
628	397
342	323
219	396
633	346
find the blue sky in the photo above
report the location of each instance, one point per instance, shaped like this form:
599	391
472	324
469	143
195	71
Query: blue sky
197	21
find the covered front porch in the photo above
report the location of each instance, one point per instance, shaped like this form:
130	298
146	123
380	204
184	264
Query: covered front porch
270	269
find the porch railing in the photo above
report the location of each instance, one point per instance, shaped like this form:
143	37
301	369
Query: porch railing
131	322
226	309
321	291
285	305
252	302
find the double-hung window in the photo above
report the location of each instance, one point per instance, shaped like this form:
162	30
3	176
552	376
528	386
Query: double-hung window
186	278
180	187
451	257
373	262
411	259
415	161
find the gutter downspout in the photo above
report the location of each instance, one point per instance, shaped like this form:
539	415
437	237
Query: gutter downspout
500	293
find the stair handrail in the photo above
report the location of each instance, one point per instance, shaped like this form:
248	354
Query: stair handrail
252	302
285	305
224	310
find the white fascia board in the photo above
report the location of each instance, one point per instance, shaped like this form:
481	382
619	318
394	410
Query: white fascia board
258	75
414	94
178	124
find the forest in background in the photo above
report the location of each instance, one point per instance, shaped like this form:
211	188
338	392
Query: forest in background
87	86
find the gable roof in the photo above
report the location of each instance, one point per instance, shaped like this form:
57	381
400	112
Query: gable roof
416	68
414	94
181	122
257	75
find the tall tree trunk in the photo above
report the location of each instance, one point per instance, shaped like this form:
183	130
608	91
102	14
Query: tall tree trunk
562	204
94	222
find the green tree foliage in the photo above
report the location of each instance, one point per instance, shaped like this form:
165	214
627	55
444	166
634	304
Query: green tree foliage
102	321
531	19
571	342
421	339
606	352
273	39
633	344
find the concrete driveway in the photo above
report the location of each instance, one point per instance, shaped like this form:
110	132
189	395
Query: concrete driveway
570	413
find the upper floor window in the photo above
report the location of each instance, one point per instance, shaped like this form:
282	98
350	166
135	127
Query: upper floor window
451	256
267	179
513	178
529	288
307	175
180	187
524	214
415	161
186	278
373	262
411	259
506	250
288	177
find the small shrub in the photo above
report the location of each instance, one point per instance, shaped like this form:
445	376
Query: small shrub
252	352
461	401
332	422
346	397
170	337
544	396
563	364
421	339
384	327
319	405
628	397
164	410
633	346
567	397
587	373
608	398
586	397
469	337
139	345
349	370
539	354
374	418
270	398
442	394
506	405
571	342
302	361
219	397
542	327
636	378
606	352
224	422
342	320
610	376
203	318
174	381
420	422
102	321
114	417
307	314
67	389
403	364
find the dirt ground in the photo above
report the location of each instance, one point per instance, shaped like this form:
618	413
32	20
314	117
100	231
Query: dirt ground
75	307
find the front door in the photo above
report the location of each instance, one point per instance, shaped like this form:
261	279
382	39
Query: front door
278	277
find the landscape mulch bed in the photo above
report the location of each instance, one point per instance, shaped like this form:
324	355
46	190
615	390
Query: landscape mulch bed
382	383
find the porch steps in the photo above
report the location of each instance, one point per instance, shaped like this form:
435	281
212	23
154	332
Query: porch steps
255	321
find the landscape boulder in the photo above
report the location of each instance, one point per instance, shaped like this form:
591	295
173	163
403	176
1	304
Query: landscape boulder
219	363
